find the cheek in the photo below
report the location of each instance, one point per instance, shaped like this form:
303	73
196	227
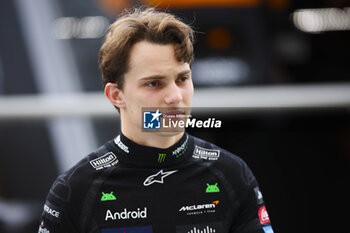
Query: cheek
142	99
188	92
153	98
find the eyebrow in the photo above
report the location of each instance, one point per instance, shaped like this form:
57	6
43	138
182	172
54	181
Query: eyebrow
158	76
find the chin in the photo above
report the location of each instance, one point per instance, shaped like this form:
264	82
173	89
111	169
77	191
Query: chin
170	133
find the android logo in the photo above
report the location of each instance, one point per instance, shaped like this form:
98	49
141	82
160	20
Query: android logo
108	197
212	188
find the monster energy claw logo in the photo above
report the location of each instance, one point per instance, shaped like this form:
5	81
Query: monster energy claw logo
161	157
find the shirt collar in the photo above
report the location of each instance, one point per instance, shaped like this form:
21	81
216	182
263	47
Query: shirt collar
133	153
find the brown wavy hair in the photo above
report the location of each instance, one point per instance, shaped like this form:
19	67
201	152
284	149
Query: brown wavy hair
137	25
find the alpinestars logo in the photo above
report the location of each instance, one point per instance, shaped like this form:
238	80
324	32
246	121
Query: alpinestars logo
104	161
158	177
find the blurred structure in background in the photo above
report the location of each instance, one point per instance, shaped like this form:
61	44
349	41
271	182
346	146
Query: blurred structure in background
279	70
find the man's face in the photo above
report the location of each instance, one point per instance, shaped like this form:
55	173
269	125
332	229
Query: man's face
154	79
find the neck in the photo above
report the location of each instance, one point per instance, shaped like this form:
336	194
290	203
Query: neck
130	151
157	139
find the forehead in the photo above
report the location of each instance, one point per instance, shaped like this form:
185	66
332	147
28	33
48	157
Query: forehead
148	57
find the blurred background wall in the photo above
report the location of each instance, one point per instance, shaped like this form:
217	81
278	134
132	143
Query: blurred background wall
278	70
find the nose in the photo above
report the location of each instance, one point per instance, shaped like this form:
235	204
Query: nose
173	95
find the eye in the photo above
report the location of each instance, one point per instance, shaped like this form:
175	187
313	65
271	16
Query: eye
152	84
182	79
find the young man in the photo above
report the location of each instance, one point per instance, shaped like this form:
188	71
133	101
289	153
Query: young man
161	182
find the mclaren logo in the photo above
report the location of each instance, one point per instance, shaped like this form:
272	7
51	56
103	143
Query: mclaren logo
199	207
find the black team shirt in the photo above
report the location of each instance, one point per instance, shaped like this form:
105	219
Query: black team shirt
191	187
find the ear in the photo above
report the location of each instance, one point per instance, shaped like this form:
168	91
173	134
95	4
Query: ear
114	94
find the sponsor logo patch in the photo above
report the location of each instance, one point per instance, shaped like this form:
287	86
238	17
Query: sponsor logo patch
259	196
211	227
126	214
158	177
42	229
263	215
161	157
203	153
268	229
52	212
199	209
104	161
142	229
121	145
212	188
178	152
108	197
